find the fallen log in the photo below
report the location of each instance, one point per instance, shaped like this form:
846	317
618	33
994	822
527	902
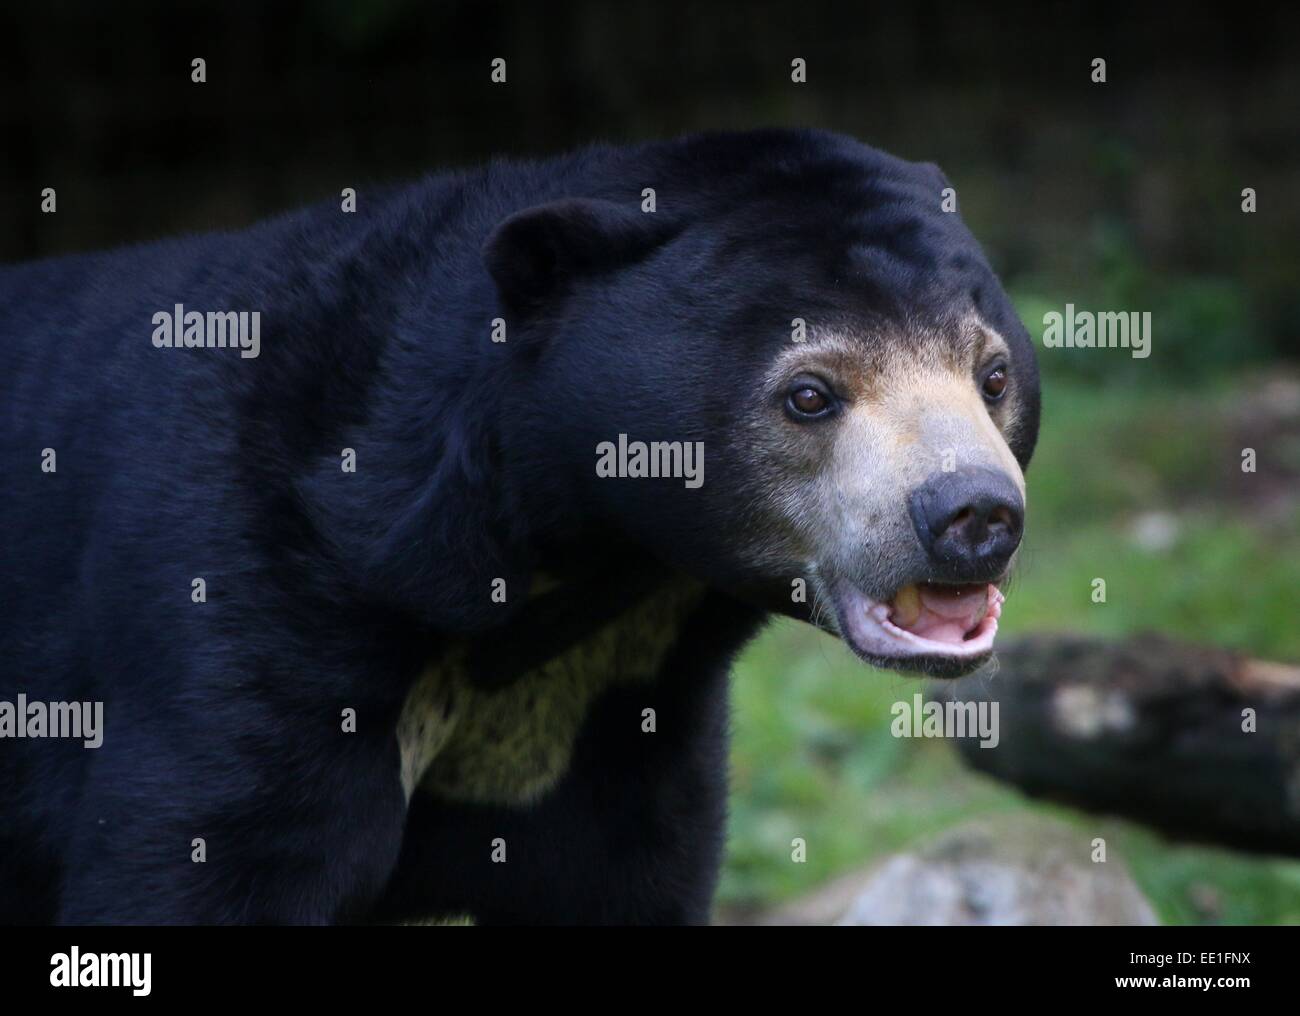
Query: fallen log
1199	743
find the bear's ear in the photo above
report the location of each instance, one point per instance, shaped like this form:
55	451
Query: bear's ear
535	254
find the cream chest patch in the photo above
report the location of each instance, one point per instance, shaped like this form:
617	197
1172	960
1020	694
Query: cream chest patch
511	745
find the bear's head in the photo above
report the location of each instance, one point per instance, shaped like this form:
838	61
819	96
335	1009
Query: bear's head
811	317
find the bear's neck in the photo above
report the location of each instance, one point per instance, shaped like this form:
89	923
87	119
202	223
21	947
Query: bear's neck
494	721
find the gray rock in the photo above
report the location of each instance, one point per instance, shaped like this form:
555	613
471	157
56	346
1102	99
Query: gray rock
1015	872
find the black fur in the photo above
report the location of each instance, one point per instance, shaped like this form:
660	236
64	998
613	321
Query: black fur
475	460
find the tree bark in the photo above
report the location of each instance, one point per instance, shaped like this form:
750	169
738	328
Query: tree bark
1199	743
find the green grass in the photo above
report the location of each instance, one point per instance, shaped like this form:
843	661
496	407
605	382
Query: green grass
813	756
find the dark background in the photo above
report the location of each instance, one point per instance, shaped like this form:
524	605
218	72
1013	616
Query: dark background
1123	196
1123	182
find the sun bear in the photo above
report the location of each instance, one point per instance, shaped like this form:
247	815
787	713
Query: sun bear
404	550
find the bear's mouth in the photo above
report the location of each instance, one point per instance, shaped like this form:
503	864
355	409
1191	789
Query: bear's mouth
924	626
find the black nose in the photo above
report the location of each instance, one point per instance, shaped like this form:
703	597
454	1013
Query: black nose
969	523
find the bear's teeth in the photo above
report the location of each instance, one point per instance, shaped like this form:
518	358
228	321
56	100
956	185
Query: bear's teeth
907	607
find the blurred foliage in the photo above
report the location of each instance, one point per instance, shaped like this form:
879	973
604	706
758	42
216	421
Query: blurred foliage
1201	325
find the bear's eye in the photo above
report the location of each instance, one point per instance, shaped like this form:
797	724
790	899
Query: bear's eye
995	383
807	401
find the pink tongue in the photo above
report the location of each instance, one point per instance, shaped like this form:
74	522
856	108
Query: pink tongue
948	613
